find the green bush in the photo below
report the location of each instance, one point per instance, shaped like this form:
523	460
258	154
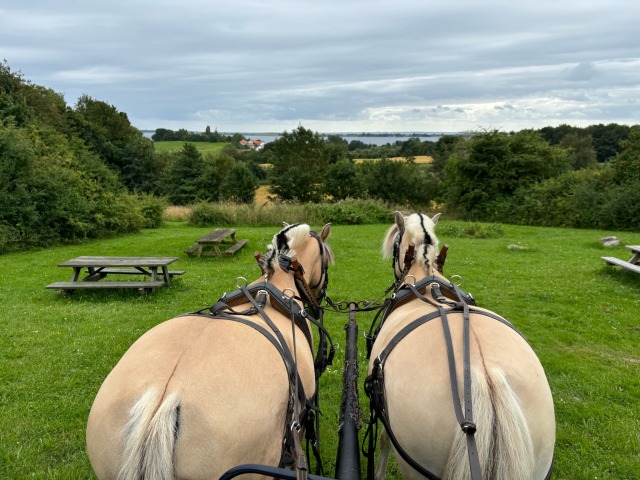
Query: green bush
10	238
350	212
114	214
470	230
208	214
152	209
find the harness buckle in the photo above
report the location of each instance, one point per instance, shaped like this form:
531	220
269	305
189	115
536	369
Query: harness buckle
414	280
469	428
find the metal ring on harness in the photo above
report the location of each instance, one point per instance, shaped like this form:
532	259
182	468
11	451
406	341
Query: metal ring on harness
414	280
457	284
238	285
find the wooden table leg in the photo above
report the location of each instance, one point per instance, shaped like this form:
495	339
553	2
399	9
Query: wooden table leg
76	274
165	274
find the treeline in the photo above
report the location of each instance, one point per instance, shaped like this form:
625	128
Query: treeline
70	173
555	176
182	135
54	185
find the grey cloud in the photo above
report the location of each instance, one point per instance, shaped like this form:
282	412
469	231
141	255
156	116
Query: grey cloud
244	64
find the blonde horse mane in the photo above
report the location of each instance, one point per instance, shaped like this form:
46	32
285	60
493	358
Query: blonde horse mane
287	241
417	229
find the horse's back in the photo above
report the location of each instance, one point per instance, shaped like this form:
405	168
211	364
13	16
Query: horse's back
418	387
229	385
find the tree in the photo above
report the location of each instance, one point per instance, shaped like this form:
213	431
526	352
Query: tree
396	182
607	139
342	181
141	171
581	152
337	147
299	163
216	170
183	178
493	165
239	185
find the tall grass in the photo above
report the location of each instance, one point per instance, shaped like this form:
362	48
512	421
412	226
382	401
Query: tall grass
343	212
580	316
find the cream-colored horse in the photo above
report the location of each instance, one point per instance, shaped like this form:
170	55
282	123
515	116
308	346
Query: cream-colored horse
197	395
502	416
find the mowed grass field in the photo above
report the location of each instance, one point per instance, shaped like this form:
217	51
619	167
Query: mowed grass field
581	317
203	147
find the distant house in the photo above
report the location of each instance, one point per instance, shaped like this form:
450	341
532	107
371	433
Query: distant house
252	144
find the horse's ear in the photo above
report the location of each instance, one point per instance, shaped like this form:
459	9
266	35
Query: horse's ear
326	231
435	218
399	220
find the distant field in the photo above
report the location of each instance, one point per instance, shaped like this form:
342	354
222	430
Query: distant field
208	147
419	159
262	195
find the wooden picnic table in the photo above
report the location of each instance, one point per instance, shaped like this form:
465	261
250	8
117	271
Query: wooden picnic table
89	270
634	262
219	242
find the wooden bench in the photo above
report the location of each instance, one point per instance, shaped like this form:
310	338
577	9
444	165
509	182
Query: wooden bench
89	272
237	246
219	242
143	286
621	263
631	265
127	271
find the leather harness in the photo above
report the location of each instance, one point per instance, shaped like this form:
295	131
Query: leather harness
257	295
450	299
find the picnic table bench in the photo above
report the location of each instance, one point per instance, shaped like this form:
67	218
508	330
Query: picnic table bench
219	242
96	268
632	264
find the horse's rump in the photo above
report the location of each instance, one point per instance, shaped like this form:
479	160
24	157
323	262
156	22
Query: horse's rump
509	388
209	383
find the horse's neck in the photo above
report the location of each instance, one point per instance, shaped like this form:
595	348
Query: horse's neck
284	282
418	272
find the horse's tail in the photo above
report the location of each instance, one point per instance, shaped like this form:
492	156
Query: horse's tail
149	439
503	438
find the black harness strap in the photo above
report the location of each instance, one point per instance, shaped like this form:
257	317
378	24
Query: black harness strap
256	295
374	383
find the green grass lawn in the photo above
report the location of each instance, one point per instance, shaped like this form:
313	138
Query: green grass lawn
203	147
581	317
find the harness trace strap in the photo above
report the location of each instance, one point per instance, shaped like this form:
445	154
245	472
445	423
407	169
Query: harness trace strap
256	295
374	383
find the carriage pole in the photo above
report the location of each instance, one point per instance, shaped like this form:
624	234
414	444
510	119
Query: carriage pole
348	457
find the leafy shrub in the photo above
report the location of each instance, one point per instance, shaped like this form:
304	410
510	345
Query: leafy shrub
621	210
115	214
350	212
10	238
470	230
208	214
152	209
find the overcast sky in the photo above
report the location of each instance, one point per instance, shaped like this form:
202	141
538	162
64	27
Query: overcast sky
335	65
